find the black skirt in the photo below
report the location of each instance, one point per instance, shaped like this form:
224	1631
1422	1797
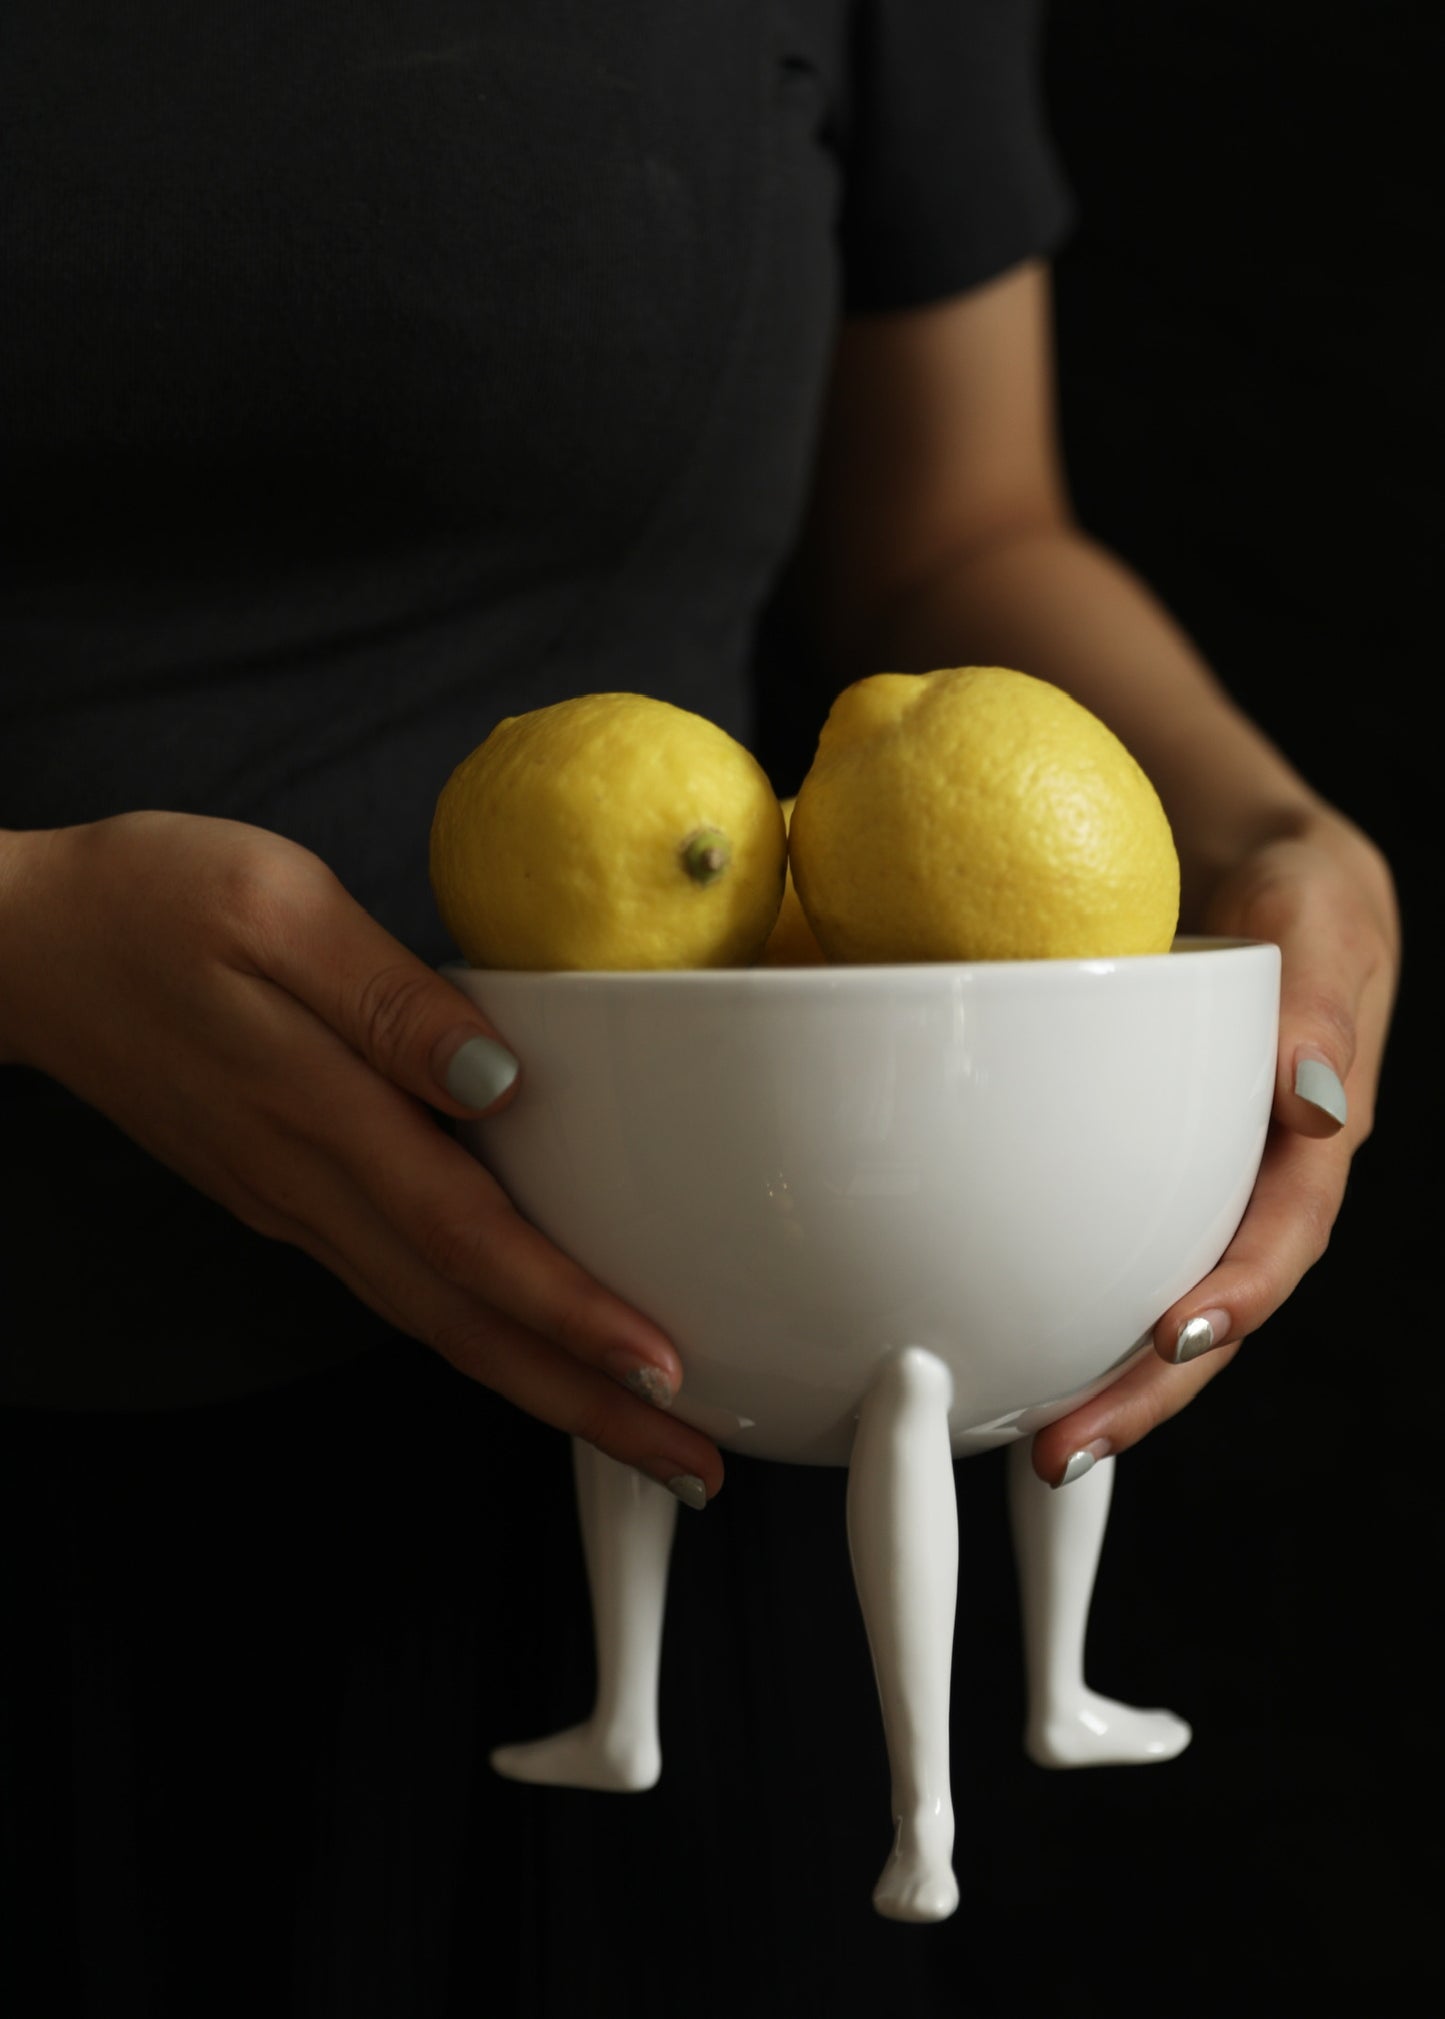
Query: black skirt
253	1657
256	1655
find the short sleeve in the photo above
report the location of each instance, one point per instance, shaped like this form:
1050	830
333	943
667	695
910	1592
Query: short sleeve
951	177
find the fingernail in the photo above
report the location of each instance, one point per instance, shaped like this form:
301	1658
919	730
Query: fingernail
688	1488
480	1071
648	1382
1080	1462
1319	1084
1200	1335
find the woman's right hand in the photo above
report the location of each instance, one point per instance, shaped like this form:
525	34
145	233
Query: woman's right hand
215	991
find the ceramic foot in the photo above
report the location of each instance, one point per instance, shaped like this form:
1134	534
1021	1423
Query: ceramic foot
583	1757
1094	1731
1058	1535
917	1883
627	1524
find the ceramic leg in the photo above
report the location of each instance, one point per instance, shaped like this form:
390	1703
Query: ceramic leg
903	1539
1057	1539
627	1525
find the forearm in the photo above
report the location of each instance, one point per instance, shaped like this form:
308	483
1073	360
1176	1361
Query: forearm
1051	602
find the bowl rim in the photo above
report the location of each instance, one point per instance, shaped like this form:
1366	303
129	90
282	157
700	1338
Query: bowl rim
871	975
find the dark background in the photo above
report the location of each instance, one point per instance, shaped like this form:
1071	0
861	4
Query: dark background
1249	345
1250	405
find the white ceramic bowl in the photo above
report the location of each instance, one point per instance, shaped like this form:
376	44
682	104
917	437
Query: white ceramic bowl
796	1171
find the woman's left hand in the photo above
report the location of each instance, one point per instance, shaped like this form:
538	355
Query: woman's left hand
1325	897
940	534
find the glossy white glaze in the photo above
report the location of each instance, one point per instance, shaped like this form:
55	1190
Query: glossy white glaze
796	1172
627	1526
903	1541
1057	1537
889	1216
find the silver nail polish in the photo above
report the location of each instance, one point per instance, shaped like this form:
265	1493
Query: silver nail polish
689	1489
1080	1463
480	1072
1194	1338
651	1384
1319	1084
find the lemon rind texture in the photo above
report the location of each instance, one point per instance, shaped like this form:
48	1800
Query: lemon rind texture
558	842
979	814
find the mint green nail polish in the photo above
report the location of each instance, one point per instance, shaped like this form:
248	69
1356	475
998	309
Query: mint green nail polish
480	1072
1318	1084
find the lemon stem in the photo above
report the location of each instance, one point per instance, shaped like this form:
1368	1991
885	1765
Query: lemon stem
706	853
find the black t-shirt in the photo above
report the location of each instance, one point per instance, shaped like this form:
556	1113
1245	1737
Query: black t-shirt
371	372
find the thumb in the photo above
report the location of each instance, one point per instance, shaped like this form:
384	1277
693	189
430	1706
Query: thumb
1321	980
404	1018
1317	1004
1326	898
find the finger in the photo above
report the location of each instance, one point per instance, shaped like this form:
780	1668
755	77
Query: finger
416	1029
1316	1051
1346	1108
538	1376
454	1215
1321	976
1331	949
406	1020
1145	1395
1287	1225
356	1142
549	1384
1301	1184
1285	1230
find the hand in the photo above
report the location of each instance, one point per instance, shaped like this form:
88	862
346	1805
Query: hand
1325	897
215	991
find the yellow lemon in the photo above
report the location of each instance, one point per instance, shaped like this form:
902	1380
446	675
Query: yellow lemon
609	831
977	813
792	941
